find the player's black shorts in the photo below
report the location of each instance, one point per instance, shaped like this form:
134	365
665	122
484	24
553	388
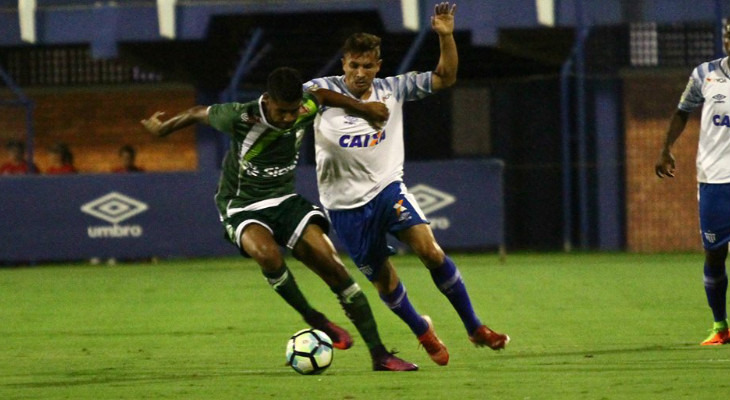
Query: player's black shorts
285	221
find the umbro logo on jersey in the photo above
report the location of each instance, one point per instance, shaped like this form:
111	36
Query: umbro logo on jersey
718	97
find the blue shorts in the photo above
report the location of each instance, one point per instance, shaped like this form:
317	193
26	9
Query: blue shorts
714	214
363	230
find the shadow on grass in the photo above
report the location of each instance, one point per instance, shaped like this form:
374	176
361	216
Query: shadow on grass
587	353
105	376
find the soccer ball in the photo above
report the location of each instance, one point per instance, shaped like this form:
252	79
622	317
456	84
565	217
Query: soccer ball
309	351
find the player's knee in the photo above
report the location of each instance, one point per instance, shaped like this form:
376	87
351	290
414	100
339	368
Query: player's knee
431	254
268	257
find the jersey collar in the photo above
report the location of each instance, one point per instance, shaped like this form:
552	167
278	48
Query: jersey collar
263	115
724	67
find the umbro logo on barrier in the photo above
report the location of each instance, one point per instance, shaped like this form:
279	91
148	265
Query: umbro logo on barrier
114	207
431	199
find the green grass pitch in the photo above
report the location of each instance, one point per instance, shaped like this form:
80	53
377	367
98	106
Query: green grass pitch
583	326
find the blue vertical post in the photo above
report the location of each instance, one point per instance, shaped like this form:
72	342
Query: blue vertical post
29	105
609	180
719	50
565	130
581	125
407	60
29	133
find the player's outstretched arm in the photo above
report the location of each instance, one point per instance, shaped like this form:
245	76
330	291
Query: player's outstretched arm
197	114
442	22
374	112
665	163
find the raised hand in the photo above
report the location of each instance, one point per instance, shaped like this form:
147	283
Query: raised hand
442	21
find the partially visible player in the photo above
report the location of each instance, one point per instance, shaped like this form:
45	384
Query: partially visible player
360	178
260	210
709	87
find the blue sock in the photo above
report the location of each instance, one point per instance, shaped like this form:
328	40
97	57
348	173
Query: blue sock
716	290
398	302
448	279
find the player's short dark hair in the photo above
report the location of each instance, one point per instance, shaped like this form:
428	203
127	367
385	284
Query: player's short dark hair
127	149
362	42
284	84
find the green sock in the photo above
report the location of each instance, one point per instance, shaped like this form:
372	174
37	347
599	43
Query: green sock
358	310
282	281
720	326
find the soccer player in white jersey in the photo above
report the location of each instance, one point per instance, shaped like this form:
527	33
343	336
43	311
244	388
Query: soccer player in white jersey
709	87
360	178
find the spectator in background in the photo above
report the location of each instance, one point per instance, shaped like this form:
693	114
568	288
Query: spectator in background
16	163
127	155
62	160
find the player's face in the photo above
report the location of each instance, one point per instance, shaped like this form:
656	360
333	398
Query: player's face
127	159
360	70
281	114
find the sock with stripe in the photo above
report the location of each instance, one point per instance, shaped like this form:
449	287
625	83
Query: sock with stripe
715	280
399	303
358	310
282	281
448	279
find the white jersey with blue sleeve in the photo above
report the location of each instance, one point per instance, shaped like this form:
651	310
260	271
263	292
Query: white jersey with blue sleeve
709	87
356	161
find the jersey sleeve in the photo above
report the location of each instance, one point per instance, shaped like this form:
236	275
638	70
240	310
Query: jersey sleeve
692	96
309	109
223	116
409	86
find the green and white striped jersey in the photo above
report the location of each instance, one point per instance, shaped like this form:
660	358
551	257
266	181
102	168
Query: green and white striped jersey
258	169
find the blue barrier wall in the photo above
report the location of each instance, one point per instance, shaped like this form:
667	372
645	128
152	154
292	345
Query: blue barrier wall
78	217
123	216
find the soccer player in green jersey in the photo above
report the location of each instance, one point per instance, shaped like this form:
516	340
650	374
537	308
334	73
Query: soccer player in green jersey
260	210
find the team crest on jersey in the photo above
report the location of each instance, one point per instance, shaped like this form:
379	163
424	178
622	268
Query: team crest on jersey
710	237
366	140
250	119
